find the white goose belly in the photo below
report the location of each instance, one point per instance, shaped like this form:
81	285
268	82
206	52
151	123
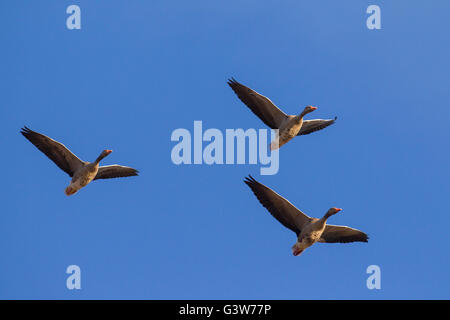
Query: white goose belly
81	180
84	179
287	133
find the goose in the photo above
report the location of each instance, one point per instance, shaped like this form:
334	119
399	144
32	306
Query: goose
289	126
308	230
81	172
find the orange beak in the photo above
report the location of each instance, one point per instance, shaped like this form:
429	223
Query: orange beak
313	108
108	151
337	209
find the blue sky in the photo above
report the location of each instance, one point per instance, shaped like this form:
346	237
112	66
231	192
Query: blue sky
137	70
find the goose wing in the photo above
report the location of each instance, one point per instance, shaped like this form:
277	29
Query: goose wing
310	126
56	151
259	105
281	209
115	171
342	234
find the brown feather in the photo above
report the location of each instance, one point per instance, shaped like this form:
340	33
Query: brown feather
54	150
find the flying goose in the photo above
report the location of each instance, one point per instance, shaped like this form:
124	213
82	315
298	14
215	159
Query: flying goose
289	125
82	172
308	230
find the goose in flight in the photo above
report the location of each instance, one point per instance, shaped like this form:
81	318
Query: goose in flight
308	230
289	126
81	172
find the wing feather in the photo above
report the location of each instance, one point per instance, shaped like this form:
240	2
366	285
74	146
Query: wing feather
115	171
265	109
310	126
342	234
54	150
280	208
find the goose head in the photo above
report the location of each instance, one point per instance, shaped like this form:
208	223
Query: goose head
102	155
307	110
332	211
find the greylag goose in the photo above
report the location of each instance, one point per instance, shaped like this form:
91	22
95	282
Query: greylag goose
82	172
308	230
289	125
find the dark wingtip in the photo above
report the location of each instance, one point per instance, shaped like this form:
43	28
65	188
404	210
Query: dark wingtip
231	82
25	130
250	180
135	172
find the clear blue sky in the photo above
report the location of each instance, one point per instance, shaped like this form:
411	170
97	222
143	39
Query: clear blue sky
137	70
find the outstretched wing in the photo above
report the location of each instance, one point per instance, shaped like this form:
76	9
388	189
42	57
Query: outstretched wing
57	152
281	209
310	126
342	234
115	171
259	105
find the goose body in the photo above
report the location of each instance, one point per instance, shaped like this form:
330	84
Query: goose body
310	234
81	172
82	178
289	129
289	126
308	230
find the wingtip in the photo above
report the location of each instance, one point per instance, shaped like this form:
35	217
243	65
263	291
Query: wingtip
135	172
25	130
249	180
232	81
